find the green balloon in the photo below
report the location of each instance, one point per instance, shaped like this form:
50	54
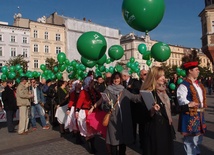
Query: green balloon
62	67
69	69
143	15
61	57
35	74
128	64
178	71
59	75
67	62
82	67
43	67
18	67
148	62
172	86
18	80
132	59
55	69
108	61
119	68
179	81
183	73
160	52
116	52
102	60
3	77
102	68
4	69
91	45
88	63
111	69
142	48
147	55
12	68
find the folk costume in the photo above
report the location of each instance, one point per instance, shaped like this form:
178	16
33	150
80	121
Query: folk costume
191	123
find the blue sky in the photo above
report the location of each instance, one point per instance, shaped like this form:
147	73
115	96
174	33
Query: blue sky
180	25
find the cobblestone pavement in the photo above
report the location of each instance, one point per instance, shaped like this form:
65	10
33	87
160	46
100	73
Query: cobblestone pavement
49	142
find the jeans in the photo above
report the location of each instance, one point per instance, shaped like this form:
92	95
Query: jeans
191	144
37	108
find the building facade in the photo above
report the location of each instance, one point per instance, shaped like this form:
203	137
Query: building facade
14	41
47	40
130	43
75	28
207	24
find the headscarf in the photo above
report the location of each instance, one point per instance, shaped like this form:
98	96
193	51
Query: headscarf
87	82
115	89
74	85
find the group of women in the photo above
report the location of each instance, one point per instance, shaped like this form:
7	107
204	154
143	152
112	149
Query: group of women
85	109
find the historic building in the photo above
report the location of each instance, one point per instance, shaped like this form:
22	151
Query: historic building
130	44
46	40
75	28
14	41
207	24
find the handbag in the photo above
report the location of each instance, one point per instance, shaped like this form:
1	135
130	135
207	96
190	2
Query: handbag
107	116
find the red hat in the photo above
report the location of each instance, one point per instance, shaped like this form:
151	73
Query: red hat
190	64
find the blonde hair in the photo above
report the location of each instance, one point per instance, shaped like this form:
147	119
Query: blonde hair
151	79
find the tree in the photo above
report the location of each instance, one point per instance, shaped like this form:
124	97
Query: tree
19	59
51	63
168	70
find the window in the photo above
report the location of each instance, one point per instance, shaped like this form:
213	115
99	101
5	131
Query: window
36	64
35	34
212	26
1	51
57	37
46	35
0	66
13	39
25	52
35	48
1	37
46	49
13	52
58	50
24	41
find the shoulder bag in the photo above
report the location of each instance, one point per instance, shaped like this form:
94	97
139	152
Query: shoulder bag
107	116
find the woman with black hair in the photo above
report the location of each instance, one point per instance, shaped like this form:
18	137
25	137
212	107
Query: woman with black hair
119	129
62	99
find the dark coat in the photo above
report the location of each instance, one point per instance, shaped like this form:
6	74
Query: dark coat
60	97
134	86
9	99
158	139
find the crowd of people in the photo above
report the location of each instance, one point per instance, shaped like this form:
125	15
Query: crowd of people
80	107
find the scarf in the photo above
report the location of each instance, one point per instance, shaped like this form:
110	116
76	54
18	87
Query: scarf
161	91
115	89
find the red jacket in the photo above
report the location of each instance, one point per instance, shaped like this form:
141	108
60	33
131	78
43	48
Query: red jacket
84	101
73	99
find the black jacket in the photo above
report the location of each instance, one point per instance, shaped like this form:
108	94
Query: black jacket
9	99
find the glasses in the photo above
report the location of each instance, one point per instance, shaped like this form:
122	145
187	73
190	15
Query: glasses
33	81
